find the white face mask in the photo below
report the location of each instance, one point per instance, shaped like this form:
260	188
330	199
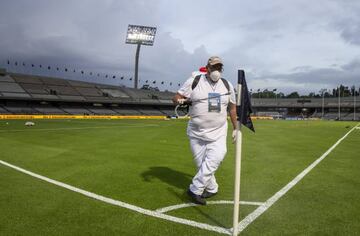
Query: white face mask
215	75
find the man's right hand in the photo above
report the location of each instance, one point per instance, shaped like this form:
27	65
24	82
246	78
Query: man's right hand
181	101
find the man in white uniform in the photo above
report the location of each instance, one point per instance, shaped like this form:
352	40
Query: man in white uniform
210	96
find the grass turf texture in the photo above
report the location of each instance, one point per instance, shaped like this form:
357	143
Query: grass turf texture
148	163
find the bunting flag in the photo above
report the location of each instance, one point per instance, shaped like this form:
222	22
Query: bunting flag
65	69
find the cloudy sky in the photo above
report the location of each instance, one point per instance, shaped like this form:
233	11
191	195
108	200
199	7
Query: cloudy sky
297	45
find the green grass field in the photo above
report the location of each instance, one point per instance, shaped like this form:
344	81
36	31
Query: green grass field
148	164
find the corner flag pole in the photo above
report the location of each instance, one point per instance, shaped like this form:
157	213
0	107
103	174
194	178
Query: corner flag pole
237	158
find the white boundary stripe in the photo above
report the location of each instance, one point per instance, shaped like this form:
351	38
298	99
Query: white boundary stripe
123	204
261	209
179	206
78	128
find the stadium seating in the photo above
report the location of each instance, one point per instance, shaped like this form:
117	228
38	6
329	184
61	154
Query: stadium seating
11	87
71	98
101	111
331	115
15	95
80	84
49	110
26	79
3	111
78	97
34	88
54	81
21	110
63	90
167	111
6	78
127	111
77	111
115	93
150	111
89	92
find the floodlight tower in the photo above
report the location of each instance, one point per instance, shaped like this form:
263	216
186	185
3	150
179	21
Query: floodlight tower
140	35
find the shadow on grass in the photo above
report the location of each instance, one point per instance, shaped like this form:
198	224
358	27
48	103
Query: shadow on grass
178	180
169	176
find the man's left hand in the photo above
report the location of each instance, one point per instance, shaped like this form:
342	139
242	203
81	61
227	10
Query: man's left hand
234	136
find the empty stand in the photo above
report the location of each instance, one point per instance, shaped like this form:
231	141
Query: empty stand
35	88
77	111
138	93
81	84
89	92
64	90
168	111
28	79
53	81
127	111
4	111
15	95
6	78
49	110
21	110
101	111
11	87
115	93
45	96
150	111
72	98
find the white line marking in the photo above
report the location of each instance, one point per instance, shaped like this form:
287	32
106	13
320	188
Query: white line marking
123	204
77	128
261	209
179	206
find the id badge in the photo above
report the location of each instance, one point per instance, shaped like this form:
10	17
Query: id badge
214	102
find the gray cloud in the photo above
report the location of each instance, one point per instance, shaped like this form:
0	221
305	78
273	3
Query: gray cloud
311	79
279	43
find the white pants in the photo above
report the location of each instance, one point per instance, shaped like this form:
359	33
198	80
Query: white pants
207	157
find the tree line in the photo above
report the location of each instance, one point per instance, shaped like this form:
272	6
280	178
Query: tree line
345	91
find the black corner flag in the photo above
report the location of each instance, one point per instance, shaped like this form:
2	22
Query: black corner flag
244	110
